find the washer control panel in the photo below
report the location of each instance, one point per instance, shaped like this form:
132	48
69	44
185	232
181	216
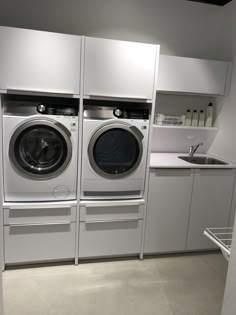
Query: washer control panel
59	110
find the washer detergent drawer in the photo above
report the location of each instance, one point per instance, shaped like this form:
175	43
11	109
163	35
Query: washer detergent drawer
39	213
39	242
110	238
111	210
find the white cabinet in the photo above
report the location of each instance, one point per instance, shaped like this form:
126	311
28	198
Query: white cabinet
39	242
110	228
233	207
111	238
36	232
169	199
190	75
119	69
211	204
39	61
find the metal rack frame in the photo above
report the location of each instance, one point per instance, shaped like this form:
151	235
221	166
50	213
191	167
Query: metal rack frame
222	237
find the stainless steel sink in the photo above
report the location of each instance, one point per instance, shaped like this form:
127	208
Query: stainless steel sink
202	160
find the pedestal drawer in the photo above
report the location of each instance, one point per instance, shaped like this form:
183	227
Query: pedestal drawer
111	210
110	238
39	242
39	213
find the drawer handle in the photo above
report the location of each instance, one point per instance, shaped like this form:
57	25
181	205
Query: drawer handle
111	221
112	203
39	224
26	207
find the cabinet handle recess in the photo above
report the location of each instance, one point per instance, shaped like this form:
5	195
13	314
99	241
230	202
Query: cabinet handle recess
111	221
26	207
39	224
119	96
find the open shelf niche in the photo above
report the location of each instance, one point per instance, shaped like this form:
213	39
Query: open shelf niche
179	138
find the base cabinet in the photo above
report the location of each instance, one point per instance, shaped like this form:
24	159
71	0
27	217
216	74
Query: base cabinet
99	239
37	232
169	199
110	228
182	203
211	205
35	243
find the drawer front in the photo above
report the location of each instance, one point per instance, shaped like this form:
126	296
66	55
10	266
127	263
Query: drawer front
98	239
39	215
31	243
111	212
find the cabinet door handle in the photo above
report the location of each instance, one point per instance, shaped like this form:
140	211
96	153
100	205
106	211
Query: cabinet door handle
39	224
37	92
119	96
111	221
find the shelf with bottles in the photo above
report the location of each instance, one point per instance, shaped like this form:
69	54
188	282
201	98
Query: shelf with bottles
186	112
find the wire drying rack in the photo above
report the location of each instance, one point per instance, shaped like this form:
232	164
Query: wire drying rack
222	237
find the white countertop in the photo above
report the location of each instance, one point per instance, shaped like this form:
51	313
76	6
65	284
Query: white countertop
171	160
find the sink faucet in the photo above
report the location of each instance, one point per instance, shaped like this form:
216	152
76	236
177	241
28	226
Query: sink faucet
193	149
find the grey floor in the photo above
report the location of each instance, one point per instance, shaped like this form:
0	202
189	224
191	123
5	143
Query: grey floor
177	285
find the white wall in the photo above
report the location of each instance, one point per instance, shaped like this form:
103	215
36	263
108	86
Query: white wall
181	27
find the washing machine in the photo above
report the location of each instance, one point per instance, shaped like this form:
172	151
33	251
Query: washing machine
40	144
115	141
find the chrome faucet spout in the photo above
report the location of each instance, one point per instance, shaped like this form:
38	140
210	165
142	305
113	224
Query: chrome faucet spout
193	149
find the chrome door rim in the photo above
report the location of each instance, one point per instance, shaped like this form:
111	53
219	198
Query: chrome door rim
42	122
130	128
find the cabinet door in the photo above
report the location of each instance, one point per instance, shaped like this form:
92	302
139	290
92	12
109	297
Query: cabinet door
233	207
211	202
119	68
168	209
39	61
189	75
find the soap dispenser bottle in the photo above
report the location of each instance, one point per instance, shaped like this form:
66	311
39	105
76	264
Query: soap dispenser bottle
195	118
188	118
209	115
201	121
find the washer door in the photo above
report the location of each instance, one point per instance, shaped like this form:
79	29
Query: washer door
40	149
115	150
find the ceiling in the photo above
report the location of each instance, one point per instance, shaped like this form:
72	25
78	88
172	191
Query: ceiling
213	2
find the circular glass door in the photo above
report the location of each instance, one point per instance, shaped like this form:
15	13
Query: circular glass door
40	149
115	150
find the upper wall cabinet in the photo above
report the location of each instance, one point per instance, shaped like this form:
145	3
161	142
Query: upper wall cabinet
119	69
39	61
189	75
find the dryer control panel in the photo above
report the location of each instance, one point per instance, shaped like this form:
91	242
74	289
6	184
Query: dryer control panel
114	109
127	113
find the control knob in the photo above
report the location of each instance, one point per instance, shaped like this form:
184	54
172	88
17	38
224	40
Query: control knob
41	108
118	112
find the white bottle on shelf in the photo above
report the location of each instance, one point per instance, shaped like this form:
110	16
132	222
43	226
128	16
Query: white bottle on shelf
188	118
201	120
209	115
195	118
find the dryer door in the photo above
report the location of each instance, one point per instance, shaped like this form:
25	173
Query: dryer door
115	150
40	149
